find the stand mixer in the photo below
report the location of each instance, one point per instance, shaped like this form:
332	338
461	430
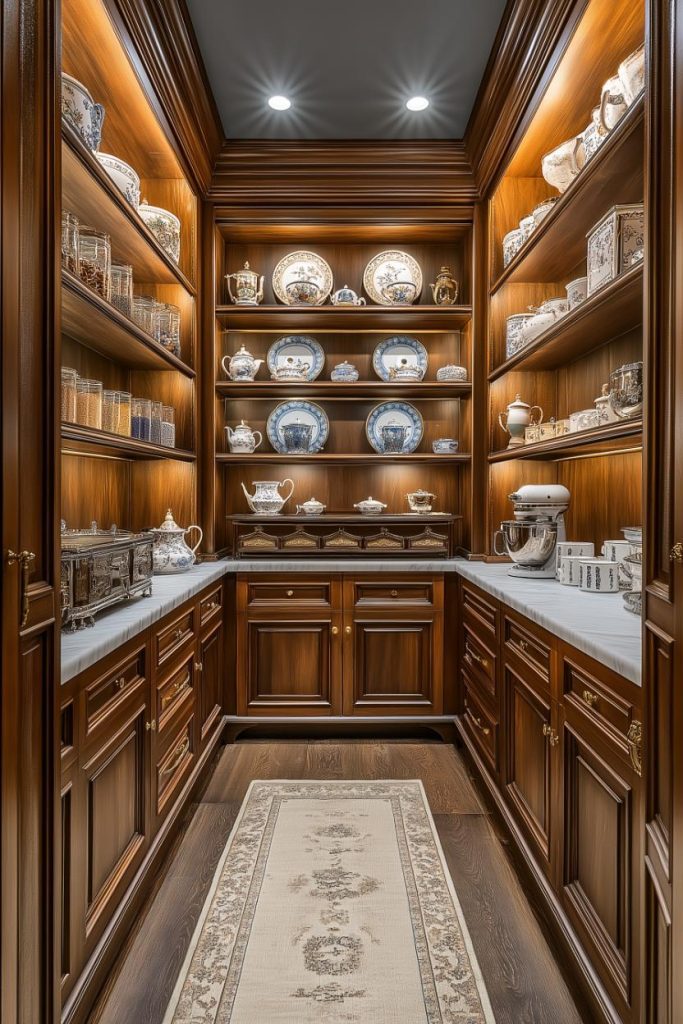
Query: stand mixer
531	538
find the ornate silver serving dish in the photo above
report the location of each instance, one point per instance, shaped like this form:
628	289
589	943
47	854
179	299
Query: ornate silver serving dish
101	568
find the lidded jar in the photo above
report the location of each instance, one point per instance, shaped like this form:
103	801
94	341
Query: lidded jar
168	327
89	403
94	260
122	288
70	242
145	313
69	379
168	426
142	419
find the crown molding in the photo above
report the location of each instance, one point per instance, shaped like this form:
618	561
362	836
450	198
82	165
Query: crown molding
162	46
328	173
530	40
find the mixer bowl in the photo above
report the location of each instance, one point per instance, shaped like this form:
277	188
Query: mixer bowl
531	543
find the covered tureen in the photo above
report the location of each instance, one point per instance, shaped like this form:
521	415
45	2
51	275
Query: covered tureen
370	506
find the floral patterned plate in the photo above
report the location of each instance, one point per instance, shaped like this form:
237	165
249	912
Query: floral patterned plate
393	278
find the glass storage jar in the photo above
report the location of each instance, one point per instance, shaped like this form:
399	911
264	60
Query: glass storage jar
144	313
69	378
168	426
125	401
141	421
122	288
70	237
155	435
94	260
168	327
89	403
110	411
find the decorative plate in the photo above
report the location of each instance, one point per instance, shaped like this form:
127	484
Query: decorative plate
296	347
391	269
306	413
392	352
304	274
394	428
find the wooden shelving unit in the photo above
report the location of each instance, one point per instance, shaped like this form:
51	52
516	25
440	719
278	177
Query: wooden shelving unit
611	438
339	391
348	318
80	440
348	459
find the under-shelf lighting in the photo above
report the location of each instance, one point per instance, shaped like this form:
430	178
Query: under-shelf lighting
417	103
279	103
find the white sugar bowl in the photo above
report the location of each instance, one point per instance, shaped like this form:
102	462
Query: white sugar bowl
451	373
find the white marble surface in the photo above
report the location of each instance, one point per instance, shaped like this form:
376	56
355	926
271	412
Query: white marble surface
358	565
598	624
114	627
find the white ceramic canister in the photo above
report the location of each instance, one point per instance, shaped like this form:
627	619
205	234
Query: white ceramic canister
513	332
527	226
615	550
512	243
577	290
613	103
596	576
575	548
632	74
567	572
586	419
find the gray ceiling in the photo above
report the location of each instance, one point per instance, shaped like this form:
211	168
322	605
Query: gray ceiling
348	67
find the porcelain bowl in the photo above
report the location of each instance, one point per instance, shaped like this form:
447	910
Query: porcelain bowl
303	293
165	227
399	293
445	446
123	175
81	111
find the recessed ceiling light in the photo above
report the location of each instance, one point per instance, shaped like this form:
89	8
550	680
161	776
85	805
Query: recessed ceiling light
417	103
279	103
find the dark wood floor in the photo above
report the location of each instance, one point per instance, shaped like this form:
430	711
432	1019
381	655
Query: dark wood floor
524	982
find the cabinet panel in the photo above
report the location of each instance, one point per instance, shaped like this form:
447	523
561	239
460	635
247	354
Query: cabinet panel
479	611
211	605
172	768
600	702
481	661
528	647
393	665
169	638
530	740
210	685
109	690
268	593
481	726
172	690
372	593
289	665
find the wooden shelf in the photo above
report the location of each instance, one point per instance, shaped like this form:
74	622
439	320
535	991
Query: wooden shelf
341	391
347	517
85	440
624	435
325	459
607	314
353	318
614	175
89	192
95	323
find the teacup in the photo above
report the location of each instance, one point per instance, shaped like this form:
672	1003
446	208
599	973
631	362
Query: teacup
615	550
568	570
575	548
597	576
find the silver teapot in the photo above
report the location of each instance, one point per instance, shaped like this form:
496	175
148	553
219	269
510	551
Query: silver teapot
248	287
171	553
266	499
242	438
242	366
346	297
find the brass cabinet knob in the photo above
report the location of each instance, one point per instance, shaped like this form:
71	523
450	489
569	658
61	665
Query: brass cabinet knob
290	593
151	726
524	645
177	635
199	666
348	631
120	682
335	630
591	699
394	593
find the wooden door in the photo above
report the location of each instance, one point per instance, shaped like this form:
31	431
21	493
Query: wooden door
663	570
211	668
30	848
600	881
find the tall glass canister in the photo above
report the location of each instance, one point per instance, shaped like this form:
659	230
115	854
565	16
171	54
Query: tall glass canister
144	313
169	327
168	426
89	403
155	435
69	379
95	260
70	240
125	414
142	419
122	288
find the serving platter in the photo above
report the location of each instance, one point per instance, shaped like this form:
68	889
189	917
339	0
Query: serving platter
386	270
302	266
295	347
303	412
398	414
392	352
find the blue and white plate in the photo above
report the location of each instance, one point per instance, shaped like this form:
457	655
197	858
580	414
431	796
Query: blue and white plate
303	412
388	421
297	347
392	352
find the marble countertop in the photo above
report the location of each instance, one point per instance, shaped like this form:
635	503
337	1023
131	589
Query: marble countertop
358	565
597	624
115	626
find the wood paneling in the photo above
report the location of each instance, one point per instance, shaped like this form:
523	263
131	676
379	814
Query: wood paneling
395	664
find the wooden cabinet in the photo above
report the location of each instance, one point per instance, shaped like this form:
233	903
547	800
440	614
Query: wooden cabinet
352	645
211	668
556	738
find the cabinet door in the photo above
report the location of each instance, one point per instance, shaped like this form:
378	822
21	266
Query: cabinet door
393	664
289	664
600	888
531	738
211	667
114	770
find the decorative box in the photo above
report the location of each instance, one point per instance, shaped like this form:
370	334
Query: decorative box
532	433
614	244
546	430
100	568
562	427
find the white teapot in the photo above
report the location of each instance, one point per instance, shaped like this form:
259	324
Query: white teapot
170	553
266	499
346	297
518	415
242	438
241	366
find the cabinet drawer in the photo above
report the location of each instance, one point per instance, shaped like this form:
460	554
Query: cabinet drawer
481	725
210	605
171	638
174	765
480	662
113	687
479	612
288	593
529	648
613	713
173	690
392	593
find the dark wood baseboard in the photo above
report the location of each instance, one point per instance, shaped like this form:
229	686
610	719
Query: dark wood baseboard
581	976
82	998
343	726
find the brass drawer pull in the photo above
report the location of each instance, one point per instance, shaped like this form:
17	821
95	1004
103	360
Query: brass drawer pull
550	734
471	655
211	606
178	633
179	753
348	631
170	695
24	558
477	720
120	682
591	699
676	553
151	726
335	630
290	593
634	738
199	666
394	593
524	646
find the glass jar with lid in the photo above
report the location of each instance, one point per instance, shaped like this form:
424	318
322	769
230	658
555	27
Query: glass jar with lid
110	411
169	327
168	426
122	287
145	313
141	420
125	412
94	260
69	378
70	239
155	434
89	403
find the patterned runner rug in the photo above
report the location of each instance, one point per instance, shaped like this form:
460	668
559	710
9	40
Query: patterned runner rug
331	903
